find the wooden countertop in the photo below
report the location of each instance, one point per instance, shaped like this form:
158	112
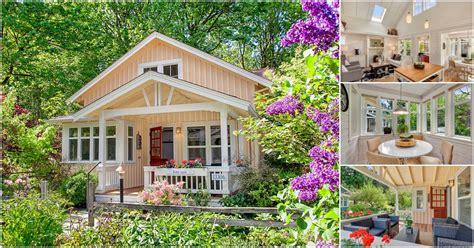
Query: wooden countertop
416	75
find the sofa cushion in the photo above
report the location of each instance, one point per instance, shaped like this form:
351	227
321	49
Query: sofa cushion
394	55
364	222
398	57
451	221
385	216
393	223
377	231
464	233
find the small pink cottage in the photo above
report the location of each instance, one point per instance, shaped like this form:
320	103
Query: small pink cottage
163	100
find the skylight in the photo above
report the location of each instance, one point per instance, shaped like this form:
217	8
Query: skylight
378	13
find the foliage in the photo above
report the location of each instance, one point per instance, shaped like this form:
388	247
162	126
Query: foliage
30	148
402	128
200	198
352	214
370	195
162	192
318	221
132	228
30	221
404	199
50	50
258	186
74	188
352	179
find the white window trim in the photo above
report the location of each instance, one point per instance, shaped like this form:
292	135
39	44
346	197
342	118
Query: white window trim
425	114
364	115
207	125
401	46
428	42
78	145
160	64
414	197
435	111
387	110
65	141
116	137
452	108
461	170
80	138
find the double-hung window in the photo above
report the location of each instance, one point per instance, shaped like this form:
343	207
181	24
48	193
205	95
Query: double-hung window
130	143
405	47
414	116
111	139
216	143
462	111
419	199
387	108
427	110
73	144
197	143
370	112
440	114
95	143
85	143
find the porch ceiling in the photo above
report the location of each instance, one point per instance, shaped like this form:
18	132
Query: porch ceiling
409	176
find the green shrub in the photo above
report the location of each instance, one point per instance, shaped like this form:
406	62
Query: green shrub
258	186
32	222
370	195
74	188
200	198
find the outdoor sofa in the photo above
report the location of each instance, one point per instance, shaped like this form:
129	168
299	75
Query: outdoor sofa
377	226
449	232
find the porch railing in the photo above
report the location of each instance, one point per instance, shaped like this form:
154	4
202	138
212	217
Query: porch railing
108	178
217	180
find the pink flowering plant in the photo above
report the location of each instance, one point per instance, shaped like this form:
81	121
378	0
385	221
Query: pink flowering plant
19	187
163	193
192	163
298	123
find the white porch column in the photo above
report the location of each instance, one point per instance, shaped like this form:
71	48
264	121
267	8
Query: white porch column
102	158
396	202
224	144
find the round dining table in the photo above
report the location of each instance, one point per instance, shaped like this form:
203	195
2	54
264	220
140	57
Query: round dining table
390	149
468	66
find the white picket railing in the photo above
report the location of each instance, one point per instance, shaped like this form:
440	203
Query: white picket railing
217	180
108	178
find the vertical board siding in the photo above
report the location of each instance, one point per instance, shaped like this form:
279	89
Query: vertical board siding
195	70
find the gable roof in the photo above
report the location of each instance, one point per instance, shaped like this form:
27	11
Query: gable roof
175	82
155	35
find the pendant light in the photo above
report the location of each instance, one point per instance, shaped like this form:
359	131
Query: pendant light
400	110
427	24
408	18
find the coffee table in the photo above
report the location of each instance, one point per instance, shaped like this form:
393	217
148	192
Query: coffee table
409	237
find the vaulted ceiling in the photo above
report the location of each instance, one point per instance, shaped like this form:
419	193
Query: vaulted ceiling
363	10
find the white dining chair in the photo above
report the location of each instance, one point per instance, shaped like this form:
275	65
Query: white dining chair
446	155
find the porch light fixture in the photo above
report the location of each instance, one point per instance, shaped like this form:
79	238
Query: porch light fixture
451	183
409	17
178	130
427	24
400	110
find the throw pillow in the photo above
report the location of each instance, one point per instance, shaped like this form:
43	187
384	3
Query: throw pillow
394	55
347	63
344	69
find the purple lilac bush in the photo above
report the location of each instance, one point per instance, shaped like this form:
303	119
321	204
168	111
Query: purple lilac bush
288	104
320	29
324	155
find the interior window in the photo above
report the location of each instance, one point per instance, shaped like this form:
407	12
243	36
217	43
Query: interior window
462	111
419	199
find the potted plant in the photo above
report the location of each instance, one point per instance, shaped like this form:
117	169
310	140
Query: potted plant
402	128
408	224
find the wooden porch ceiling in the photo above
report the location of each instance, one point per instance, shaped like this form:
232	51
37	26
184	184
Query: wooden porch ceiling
406	176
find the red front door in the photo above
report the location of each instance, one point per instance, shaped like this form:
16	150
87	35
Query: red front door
438	202
155	147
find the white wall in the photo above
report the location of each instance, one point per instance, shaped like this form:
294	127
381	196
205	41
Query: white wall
356	41
444	17
361	26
